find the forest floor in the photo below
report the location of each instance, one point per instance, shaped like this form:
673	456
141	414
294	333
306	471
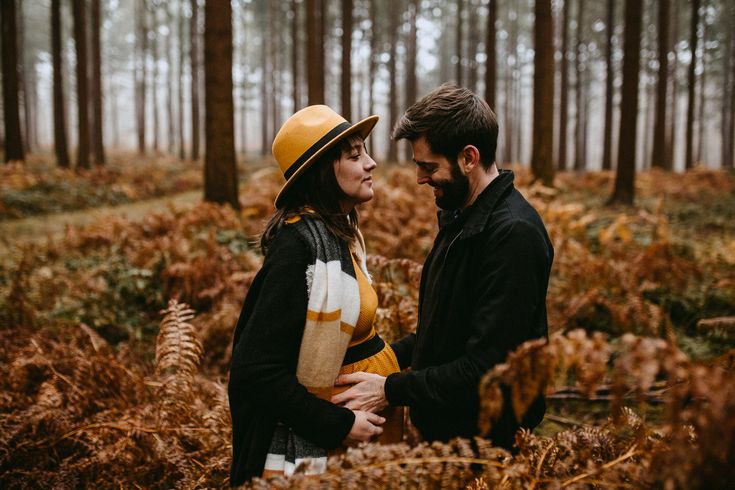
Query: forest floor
92	388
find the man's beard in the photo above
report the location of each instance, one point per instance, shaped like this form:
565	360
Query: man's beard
454	192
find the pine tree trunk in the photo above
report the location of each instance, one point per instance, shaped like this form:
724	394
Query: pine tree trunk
194	58
458	42
220	169
490	47
152	10
96	59
659	131
25	96
542	163
169	82
182	65
580	159
411	48
140	76
295	55
564	95
346	84
11	109
624	191
315	51
60	144
609	90
702	122
689	156
729	139
473	38
275	60
373	56
80	41
265	140
672	139
393	86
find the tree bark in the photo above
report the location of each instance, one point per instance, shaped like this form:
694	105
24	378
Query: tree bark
265	139
542	164
60	144
97	141
220	169
672	140
315	51
491	59
11	110
346	84
373	56
609	89
580	159
729	139
393	102
80	41
473	38
659	130
689	156
171	133
624	191
295	55
194	59
411	51
153	11
564	96
702	90
26	97
140	73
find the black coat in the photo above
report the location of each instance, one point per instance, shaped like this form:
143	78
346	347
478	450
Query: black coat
482	294
263	387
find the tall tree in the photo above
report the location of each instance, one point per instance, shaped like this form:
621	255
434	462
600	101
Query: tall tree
80	41
169	79
702	88
393	86
473	42
346	84
411	52
153	12
729	138
97	143
542	163
491	57
373	56
220	169
194	59
315	50
458	41
624	191
266	71
659	131
295	55
60	145
672	140
182	65
11	109
564	93
607	138
580	158
26	81
140	72
689	156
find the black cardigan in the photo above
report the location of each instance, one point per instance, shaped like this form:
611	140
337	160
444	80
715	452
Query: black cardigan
482	293
263	388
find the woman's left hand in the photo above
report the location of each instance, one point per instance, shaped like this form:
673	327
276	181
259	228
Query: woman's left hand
367	392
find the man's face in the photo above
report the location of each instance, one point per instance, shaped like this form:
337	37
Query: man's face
451	188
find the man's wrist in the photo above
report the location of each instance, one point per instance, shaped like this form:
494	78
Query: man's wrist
393	389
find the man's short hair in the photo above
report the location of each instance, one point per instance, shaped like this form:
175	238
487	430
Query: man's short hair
451	118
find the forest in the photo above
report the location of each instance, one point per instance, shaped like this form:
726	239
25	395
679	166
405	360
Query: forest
137	177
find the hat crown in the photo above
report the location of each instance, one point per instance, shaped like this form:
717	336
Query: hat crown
301	131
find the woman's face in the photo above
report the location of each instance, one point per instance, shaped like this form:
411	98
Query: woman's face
353	175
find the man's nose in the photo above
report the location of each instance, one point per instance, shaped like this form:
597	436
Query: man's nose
422	177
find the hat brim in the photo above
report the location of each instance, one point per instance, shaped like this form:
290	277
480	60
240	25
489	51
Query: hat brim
364	128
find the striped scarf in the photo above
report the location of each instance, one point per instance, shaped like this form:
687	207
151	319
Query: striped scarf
332	313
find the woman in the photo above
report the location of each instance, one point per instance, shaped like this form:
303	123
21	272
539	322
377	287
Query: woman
308	315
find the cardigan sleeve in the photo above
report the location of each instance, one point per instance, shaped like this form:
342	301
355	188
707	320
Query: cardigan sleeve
265	354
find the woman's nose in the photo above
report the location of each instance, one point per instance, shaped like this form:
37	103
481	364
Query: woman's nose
371	164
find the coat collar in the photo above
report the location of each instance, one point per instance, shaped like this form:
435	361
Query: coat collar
475	217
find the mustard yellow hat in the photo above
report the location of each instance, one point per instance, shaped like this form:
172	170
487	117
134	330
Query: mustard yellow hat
307	135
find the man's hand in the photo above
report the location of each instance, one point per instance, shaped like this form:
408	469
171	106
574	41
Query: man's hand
365	427
368	392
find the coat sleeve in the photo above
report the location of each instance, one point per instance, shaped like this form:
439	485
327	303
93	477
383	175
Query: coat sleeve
403	348
265	355
513	275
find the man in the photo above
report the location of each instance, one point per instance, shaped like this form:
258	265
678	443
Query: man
483	286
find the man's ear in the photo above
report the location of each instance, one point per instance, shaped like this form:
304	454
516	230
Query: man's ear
469	159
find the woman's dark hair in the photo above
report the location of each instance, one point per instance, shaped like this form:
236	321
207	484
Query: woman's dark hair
318	189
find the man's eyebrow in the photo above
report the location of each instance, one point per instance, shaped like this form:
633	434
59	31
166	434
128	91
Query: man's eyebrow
423	163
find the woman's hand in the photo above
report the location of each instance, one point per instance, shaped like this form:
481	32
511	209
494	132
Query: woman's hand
366	426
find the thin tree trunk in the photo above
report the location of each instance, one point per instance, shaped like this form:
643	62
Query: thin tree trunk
142	40
346	84
672	139
265	139
609	94
564	96
80	42
411	80
169	82
729	138
220	168
689	156
152	10
194	59
98	148
491	55
624	191
542	163
11	112
458	41
393	86
659	131
473	38
702	90
182	64
315	51
295	55
60	144
25	96
373	56
275	58
580	159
